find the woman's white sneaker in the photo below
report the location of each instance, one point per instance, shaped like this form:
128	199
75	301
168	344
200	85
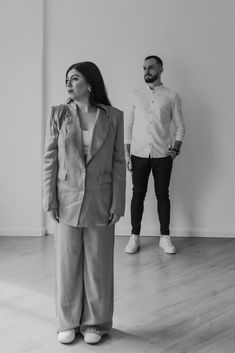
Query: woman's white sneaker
66	336
166	244
92	337
133	244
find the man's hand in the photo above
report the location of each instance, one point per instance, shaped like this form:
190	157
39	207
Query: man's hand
54	214
113	218
128	157
173	154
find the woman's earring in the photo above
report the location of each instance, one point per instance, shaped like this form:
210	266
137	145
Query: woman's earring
89	88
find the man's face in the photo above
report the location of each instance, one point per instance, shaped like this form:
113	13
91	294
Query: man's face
152	70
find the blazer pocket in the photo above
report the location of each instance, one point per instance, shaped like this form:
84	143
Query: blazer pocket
105	178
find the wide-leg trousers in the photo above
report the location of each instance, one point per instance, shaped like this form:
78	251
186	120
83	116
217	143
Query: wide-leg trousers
84	278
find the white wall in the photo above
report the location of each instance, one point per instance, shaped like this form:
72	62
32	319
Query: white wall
20	117
195	40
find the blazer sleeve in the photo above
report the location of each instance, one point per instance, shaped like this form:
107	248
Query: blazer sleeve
119	170
50	164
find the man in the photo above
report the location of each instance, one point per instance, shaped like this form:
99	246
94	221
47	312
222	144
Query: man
149	114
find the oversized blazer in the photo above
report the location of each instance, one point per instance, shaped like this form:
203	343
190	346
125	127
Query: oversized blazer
84	191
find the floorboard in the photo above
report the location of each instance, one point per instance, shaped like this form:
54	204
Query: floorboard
183	303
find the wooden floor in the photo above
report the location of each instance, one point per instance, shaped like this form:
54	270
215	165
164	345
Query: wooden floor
183	303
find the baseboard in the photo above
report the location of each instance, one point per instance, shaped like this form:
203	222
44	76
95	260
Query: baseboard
203	233
30	232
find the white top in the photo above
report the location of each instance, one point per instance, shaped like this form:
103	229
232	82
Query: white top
148	117
86	136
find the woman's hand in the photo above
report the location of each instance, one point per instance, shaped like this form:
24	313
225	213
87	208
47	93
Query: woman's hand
54	214
113	218
129	163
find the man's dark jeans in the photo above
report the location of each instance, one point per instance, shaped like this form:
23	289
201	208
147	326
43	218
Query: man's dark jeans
161	169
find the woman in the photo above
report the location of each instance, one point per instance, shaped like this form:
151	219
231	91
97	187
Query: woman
84	192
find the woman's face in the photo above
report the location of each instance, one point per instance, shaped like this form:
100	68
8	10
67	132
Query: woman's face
76	85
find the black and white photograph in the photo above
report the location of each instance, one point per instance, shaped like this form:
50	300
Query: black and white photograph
117	144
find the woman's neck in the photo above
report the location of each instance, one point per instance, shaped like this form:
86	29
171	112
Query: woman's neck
84	105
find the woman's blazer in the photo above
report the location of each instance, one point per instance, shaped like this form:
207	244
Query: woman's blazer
85	192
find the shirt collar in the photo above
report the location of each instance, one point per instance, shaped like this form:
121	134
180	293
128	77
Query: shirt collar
155	88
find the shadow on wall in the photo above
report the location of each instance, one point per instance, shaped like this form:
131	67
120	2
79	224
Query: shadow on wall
193	173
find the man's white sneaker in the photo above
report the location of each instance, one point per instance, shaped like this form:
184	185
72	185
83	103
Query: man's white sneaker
66	336
166	244
133	244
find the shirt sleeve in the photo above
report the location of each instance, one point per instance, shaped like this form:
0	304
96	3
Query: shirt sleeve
128	119
178	119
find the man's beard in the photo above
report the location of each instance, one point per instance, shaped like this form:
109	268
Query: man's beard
151	79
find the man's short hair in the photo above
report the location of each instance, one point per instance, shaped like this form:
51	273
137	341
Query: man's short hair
158	60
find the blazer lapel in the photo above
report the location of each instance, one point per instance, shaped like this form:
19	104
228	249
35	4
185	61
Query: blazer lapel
100	132
73	125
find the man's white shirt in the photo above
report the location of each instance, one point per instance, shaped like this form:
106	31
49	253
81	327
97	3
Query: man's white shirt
148	117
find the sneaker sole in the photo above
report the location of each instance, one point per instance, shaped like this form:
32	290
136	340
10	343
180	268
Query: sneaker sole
168	252
134	252
92	343
66	342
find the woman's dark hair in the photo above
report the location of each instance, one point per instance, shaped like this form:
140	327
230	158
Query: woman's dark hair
92	75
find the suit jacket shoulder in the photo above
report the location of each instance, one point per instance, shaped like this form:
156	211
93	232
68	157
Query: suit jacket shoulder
115	110
115	113
59	109
58	113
